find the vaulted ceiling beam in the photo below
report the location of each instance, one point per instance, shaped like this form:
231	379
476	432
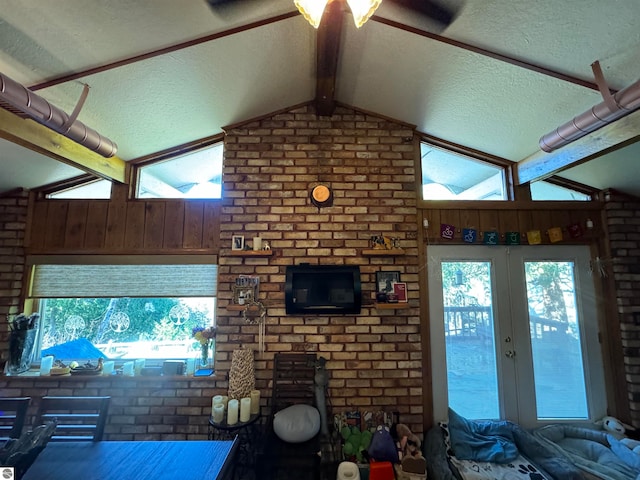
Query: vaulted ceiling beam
613	136
328	51
37	137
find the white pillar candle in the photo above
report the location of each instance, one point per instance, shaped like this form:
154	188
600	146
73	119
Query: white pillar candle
218	413
255	402
45	365
257	243
225	401
245	409
232	412
217	400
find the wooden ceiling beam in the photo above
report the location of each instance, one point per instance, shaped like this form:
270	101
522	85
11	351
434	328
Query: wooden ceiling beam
327	54
613	136
41	139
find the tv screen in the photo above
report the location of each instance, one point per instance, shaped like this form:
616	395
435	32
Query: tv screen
323	289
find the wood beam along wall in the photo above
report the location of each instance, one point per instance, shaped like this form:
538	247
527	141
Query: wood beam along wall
135	226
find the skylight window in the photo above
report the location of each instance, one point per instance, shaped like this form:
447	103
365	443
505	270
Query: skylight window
448	175
197	174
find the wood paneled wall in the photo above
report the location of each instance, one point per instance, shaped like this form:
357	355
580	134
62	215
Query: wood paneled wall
135	226
523	217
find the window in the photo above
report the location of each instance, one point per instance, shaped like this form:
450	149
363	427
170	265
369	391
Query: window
548	191
502	320
97	189
448	175
123	310
197	174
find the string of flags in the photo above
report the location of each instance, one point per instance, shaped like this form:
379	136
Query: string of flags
493	237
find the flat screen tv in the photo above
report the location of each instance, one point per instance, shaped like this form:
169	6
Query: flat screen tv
331	289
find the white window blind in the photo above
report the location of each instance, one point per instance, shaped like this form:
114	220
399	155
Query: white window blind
75	281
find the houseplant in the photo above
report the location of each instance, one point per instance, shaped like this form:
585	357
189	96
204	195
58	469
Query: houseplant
206	337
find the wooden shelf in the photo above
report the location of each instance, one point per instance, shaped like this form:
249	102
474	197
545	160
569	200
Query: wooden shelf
239	308
379	252
251	253
391	306
235	308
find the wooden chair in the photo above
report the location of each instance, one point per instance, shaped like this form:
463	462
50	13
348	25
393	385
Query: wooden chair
79	418
13	412
293	383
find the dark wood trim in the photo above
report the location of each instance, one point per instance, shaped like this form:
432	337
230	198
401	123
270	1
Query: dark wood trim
68	183
161	51
177	150
507	205
571	185
463	150
123	251
241	124
377	115
488	53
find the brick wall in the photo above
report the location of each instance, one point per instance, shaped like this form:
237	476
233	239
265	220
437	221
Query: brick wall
141	408
623	220
374	358
13	224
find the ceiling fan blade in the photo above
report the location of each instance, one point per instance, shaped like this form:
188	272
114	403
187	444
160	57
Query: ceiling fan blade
228	7
430	9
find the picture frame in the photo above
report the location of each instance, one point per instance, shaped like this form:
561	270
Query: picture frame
237	242
243	295
400	289
246	289
385	281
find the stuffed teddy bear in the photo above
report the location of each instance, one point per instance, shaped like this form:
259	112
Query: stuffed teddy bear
408	443
409	452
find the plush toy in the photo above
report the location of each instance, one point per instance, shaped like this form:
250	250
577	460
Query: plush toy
409	451
618	430
408	443
614	426
382	447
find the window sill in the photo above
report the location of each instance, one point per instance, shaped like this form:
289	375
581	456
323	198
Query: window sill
68	377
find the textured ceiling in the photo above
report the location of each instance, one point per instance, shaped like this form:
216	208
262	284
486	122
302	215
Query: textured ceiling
449	92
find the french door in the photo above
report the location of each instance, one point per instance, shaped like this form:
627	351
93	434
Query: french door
514	334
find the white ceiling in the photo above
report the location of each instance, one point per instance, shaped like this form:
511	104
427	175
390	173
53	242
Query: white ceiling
446	91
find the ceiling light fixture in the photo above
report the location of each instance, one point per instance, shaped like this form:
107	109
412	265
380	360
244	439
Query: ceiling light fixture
361	10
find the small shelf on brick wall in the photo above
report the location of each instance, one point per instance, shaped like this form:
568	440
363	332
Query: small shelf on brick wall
391	306
251	253
379	252
237	308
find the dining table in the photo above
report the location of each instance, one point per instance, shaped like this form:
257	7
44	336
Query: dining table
139	460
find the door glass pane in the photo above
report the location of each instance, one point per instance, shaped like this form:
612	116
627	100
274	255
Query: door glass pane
469	339
555	340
